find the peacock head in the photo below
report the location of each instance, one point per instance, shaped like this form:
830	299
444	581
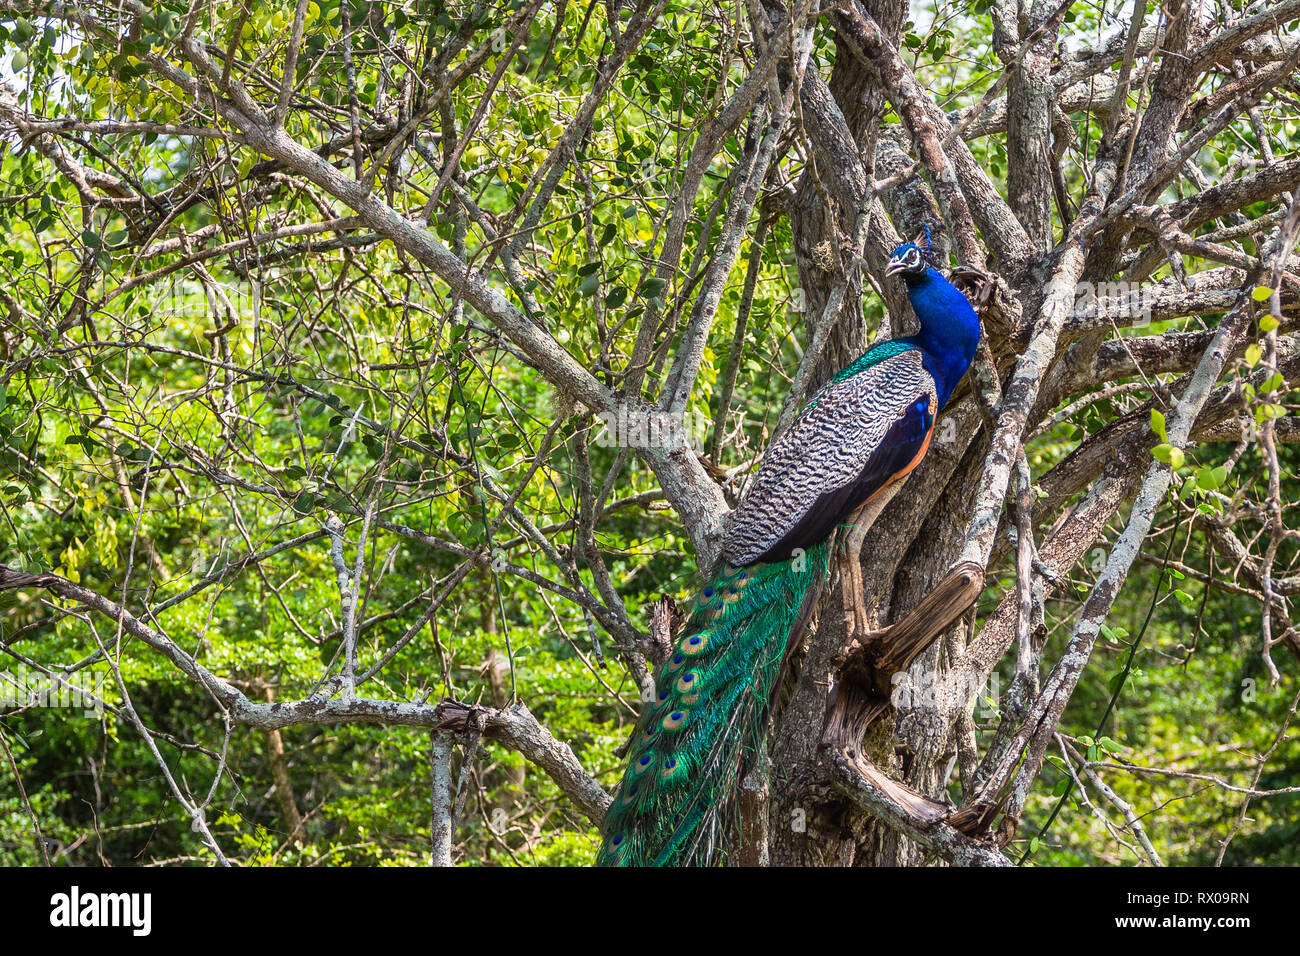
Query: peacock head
911	259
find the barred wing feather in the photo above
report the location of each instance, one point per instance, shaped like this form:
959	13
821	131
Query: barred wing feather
854	435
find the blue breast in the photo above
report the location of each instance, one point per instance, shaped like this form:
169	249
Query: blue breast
950	329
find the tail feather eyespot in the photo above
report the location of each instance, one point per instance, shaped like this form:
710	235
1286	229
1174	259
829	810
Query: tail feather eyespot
695	645
674	720
616	848
673	769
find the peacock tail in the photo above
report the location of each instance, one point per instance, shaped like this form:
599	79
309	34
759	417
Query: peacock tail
706	719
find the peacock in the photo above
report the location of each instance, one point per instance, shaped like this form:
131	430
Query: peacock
846	454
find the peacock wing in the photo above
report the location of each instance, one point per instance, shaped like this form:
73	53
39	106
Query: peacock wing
854	435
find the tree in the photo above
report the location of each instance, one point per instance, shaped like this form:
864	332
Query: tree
381	364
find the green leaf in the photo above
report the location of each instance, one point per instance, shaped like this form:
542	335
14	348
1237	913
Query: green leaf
1110	745
652	287
19	61
1168	453
1261	293
1253	354
1208	478
1269	411
1268	323
1158	424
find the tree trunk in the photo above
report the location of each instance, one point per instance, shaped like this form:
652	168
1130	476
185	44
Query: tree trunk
809	824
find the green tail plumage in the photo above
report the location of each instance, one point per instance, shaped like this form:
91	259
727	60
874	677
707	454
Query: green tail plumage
707	716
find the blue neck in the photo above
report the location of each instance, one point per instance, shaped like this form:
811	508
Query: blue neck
950	329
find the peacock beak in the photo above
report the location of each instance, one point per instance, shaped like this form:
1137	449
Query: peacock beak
895	267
